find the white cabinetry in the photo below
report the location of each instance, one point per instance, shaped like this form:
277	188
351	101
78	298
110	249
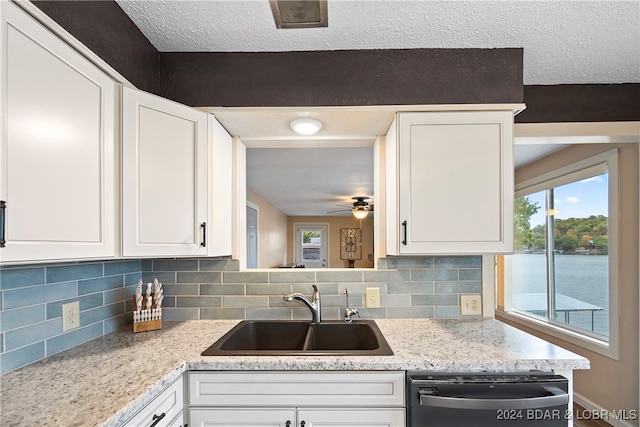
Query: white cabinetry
164	177
57	147
165	410
221	189
290	399
388	417
242	418
450	183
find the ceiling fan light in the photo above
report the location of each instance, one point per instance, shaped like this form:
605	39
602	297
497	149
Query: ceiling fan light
360	213
306	126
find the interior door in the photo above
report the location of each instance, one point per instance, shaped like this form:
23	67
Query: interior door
311	245
252	237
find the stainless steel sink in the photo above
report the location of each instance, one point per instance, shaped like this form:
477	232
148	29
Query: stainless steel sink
292	337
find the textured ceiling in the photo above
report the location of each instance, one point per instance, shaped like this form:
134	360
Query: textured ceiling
564	41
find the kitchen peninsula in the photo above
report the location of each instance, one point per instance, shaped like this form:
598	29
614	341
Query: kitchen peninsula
109	379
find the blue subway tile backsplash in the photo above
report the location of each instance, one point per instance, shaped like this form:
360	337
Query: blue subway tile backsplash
31	297
23	356
14	319
12	279
27	296
66	273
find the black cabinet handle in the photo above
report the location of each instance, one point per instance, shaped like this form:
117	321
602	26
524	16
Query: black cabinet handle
3	220
157	418
302	423
204	234
288	424
404	228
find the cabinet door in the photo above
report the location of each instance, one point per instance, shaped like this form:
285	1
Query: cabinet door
455	182
165	410
221	193
57	147
242	417
351	417
164	177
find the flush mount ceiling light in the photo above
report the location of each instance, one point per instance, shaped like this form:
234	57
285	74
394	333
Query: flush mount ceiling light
299	13
306	126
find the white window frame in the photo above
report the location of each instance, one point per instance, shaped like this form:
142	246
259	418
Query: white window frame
556	329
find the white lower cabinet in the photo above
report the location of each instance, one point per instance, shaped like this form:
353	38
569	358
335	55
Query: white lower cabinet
165	410
254	417
386	417
300	399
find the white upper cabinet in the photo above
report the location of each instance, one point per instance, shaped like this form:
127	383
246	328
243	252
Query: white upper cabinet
57	147
164	177
220	189
450	183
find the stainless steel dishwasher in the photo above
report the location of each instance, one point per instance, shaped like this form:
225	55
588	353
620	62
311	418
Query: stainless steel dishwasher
487	399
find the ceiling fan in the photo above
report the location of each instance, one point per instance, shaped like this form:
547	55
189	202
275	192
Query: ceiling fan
360	208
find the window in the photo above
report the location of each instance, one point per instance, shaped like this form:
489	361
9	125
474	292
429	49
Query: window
563	273
311	242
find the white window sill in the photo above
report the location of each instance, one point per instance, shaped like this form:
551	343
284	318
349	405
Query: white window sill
608	349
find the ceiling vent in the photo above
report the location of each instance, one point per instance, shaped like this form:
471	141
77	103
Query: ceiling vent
299	13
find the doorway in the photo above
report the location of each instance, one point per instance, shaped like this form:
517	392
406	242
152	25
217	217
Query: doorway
311	245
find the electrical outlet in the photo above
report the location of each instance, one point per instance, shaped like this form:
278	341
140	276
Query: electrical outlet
70	315
470	304
372	297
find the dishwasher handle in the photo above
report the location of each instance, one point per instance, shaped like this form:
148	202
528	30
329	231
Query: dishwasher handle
558	397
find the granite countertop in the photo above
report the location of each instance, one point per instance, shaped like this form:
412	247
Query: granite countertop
107	380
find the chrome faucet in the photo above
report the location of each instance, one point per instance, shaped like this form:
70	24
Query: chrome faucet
314	305
348	312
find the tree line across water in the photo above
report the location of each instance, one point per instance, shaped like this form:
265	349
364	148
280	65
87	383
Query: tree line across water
571	235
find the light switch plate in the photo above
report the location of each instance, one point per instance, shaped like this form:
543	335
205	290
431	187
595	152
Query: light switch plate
470	304
372	297
70	315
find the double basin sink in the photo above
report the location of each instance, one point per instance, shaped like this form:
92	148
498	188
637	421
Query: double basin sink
292	337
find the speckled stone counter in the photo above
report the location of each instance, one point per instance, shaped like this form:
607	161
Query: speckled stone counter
107	380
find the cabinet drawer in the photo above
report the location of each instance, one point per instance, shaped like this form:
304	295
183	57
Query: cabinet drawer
257	389
178	421
327	417
245	417
170	403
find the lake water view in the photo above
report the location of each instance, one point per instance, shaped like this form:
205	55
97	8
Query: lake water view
582	277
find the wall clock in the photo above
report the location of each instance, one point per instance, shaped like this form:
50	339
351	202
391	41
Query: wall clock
350	244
